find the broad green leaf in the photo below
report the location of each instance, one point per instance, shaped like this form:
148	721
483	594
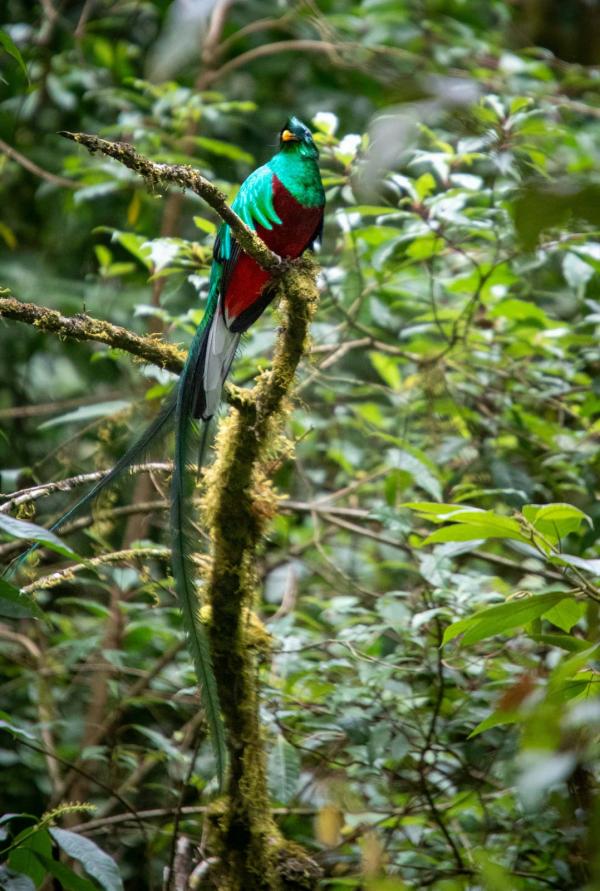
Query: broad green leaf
497	619
205	225
283	770
30	532
388	368
9	46
424	247
566	613
94	860
496	719
87	413
469	526
457	533
571	665
555	520
23	857
14	604
68	879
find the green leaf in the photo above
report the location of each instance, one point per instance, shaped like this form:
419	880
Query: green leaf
94	860
496	719
30	532
224	149
87	413
570	666
68	879
421	469
23	857
388	368
205	225
562	641
14	604
555	520
566	613
7	723
577	272
9	46
284	770
434	511
471	525
497	619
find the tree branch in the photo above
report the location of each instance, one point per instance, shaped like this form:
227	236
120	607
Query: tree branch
185	177
29	165
84	327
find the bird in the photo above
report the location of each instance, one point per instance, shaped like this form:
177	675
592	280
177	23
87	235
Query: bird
283	202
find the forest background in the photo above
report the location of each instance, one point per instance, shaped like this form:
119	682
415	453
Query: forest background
427	650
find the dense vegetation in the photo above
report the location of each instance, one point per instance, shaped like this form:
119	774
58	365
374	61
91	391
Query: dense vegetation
429	628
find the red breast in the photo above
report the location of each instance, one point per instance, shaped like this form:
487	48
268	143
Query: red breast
287	239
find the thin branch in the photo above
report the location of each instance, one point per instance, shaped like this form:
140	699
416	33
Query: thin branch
281	23
53	178
62	575
42	409
24	496
194	810
280	46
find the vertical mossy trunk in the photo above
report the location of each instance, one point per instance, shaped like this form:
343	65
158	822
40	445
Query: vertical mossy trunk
238	504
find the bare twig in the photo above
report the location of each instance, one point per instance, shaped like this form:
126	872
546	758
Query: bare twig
53	178
280	46
42	409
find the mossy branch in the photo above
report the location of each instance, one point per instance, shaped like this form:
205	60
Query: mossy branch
238	504
83	327
185	177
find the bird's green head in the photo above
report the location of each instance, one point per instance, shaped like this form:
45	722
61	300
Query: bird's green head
296	137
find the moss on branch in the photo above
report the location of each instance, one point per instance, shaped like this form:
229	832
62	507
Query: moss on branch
84	327
238	504
185	177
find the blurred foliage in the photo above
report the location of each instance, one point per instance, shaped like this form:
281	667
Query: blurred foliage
430	581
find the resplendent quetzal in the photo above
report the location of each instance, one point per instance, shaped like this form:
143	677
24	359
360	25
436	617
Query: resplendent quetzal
283	202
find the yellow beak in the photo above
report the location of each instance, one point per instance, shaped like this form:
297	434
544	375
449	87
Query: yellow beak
288	136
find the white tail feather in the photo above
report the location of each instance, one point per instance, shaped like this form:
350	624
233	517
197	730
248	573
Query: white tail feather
220	350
